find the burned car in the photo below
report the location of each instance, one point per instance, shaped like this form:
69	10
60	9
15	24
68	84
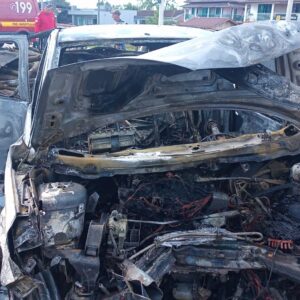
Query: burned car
156	165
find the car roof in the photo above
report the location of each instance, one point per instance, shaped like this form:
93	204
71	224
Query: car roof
109	32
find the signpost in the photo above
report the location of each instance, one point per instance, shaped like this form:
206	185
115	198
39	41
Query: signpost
161	10
98	12
289	9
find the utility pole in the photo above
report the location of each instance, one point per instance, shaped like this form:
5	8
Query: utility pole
289	9
161	10
98	12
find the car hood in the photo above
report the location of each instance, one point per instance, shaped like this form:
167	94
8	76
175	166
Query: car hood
78	98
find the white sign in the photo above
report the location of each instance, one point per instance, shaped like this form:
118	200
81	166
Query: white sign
21	7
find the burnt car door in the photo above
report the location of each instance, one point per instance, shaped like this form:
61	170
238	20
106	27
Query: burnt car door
14	90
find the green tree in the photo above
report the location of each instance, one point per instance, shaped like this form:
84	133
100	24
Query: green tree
130	6
61	4
153	19
148	4
171	4
153	4
108	6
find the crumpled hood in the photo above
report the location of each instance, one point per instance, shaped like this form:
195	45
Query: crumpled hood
238	46
78	98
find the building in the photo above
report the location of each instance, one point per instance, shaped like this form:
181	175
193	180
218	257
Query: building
240	10
269	10
89	16
233	10
170	16
143	15
212	24
173	16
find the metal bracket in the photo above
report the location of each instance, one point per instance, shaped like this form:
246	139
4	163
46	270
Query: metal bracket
95	235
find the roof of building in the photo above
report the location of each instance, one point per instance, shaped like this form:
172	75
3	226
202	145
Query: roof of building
173	13
144	13
167	14
180	19
206	23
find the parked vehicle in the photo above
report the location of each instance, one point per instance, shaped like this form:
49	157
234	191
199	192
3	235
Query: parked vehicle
169	169
18	16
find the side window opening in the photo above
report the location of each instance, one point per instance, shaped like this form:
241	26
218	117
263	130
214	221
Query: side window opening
10	64
9	69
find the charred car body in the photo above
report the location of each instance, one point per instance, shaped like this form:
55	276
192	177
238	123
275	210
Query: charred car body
148	173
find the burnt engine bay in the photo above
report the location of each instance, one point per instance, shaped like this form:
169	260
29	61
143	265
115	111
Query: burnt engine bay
214	231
